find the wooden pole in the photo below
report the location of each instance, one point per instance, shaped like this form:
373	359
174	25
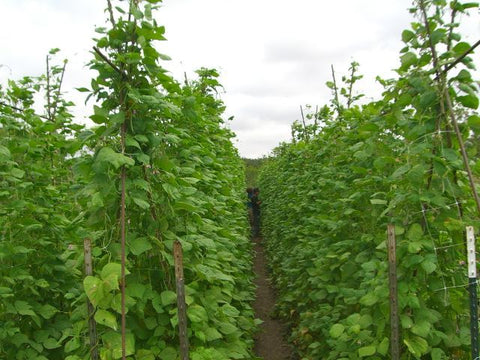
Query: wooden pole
392	275
182	308
472	287
92	325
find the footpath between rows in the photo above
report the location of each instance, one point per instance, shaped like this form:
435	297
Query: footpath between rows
270	343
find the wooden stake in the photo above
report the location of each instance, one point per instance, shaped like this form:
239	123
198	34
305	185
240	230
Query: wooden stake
182	307
92	325
123	246
392	274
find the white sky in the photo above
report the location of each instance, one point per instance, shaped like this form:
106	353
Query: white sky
273	55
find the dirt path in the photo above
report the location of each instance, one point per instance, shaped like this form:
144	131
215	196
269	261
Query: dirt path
269	342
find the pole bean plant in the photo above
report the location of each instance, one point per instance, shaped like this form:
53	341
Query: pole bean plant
157	167
329	195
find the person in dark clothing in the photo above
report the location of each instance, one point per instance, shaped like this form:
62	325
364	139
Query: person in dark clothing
256	212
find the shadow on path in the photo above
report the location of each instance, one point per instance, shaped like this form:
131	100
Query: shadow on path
269	342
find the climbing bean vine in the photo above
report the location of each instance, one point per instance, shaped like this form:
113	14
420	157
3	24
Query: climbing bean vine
329	195
158	166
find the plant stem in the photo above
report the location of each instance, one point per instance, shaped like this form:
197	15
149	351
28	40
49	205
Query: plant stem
350	88
446	95
21	110
304	125
57	96
109	62
48	90
122	229
460	58
110	11
335	89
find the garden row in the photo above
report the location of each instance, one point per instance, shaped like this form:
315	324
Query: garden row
159	166
329	195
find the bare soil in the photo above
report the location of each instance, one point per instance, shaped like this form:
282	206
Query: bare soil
270	343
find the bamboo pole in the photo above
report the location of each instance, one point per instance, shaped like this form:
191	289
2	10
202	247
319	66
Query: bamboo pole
92	325
392	275
182	308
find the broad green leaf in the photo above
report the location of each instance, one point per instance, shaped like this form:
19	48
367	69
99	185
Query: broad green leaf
51	343
204	241
185	205
142	203
470	101
165	163
429	266
113	341
378	202
112	269
407	35
142	158
197	313
118	118
421	328
227	328
139	246
169	353
437	35
461	48
168	297
414	247
400	171
100	115
107	155
130	141
24	308
437	354
367	351
72	345
106	318
369	299
464	75
399	230
336	330
474	122
383	347
415	232
416	345
136	290
212	334
94	289
116	303
365	321
18	173
428	98
47	311
4	153
408	60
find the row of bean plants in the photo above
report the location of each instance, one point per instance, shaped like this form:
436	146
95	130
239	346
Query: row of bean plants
330	193
159	160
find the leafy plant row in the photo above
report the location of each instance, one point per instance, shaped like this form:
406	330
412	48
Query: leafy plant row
159	162
330	193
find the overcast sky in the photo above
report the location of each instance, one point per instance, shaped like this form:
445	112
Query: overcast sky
273	55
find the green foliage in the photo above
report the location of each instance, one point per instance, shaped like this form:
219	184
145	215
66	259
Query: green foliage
40	269
252	168
327	200
62	183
